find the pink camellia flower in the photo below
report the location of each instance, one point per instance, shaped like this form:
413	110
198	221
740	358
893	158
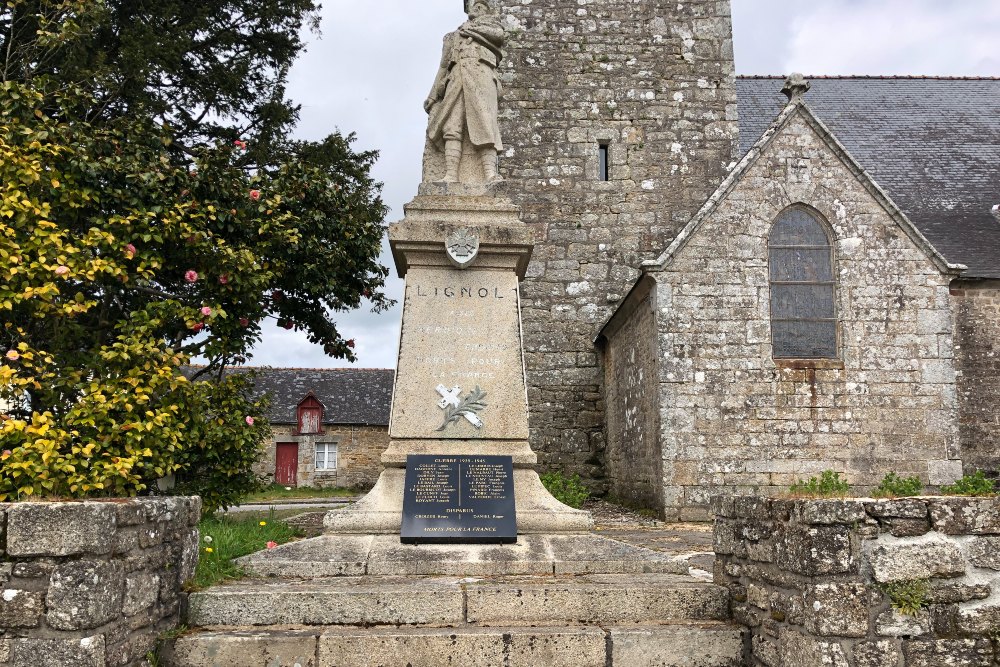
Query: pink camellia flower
272	545
191	276
206	311
130	251
62	270
350	343
249	420
224	279
12	355
244	322
7	453
255	195
197	326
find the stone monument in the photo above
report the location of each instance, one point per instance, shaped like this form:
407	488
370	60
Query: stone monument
462	248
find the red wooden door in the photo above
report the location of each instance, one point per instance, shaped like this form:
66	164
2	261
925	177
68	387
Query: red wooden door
287	463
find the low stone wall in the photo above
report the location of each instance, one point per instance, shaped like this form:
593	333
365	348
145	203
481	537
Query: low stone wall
92	584
809	578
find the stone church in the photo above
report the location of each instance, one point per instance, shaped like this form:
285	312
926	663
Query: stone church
741	281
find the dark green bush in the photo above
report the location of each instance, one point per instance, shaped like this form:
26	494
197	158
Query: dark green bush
567	490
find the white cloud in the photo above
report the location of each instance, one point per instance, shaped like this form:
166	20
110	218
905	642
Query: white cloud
923	37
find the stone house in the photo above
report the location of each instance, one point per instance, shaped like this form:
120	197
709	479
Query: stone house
776	288
329	426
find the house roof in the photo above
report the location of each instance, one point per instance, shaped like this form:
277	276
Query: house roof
358	396
933	144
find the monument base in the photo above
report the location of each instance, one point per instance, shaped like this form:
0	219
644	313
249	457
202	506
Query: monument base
380	512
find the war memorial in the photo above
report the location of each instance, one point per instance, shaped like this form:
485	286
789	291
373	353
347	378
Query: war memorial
595	275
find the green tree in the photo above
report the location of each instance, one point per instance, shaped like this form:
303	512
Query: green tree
135	234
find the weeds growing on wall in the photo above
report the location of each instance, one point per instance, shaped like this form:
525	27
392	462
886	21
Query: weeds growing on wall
976	485
567	490
828	485
907	597
894	486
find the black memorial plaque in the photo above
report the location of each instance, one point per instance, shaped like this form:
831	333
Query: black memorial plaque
459	499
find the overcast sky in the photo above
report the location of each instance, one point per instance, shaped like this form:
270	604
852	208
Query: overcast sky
373	66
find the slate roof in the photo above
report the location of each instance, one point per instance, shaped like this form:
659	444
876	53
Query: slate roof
933	144
357	396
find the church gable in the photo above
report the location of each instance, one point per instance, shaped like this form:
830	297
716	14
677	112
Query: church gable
782	354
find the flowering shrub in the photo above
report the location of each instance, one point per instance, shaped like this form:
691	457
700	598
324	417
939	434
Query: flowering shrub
129	245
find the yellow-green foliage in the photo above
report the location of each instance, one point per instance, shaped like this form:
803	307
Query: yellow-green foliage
828	485
907	597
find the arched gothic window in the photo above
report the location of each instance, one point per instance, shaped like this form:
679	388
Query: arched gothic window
803	289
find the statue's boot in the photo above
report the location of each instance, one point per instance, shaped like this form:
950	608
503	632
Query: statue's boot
452	160
489	158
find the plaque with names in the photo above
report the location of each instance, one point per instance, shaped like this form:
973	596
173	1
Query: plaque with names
458	500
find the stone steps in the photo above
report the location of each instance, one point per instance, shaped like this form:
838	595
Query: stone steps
680	644
499	601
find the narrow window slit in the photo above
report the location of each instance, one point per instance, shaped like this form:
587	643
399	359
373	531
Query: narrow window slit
603	172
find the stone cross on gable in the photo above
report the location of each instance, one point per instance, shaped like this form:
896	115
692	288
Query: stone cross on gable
453	397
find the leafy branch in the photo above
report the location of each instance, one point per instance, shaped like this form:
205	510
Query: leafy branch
470	405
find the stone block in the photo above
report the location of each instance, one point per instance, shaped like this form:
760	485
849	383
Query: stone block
599	599
830	512
21	609
966	516
902	508
916	559
876	654
4	650
909	527
86	652
471	647
252	649
801	650
837	610
332	602
677	646
85	594
816	550
979	620
944	591
141	592
60	529
948	653
892	623
985	552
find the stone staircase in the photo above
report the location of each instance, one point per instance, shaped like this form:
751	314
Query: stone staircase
584	620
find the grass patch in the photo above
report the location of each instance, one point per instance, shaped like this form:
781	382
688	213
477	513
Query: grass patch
278	492
224	538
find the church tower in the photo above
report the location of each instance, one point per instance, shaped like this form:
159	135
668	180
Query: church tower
619	120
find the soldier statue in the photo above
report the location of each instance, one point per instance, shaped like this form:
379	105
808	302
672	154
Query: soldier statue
463	102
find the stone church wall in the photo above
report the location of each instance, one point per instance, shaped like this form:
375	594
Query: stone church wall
733	417
633	457
652	80
977	349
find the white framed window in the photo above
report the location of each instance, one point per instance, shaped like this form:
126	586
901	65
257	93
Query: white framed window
326	456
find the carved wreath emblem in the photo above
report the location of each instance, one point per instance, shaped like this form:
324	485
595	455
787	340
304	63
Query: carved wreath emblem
462	246
456	407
